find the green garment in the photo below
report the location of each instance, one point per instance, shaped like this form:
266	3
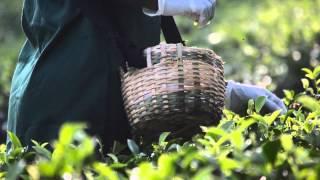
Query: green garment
68	71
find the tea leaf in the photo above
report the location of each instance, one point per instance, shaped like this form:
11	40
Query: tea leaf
286	141
271	149
305	83
163	137
316	72
15	140
134	148
309	103
259	103
270	119
289	94
205	173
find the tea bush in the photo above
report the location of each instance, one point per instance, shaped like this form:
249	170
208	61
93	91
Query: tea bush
272	146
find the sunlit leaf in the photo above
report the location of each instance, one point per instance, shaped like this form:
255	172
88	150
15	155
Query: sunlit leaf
316	72
166	165
105	171
309	103
47	169
237	140
305	83
15	140
68	132
228	164
215	133
270	119
245	124
309	73
289	94
287	142
33	172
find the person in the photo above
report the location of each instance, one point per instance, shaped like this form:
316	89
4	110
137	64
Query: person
67	70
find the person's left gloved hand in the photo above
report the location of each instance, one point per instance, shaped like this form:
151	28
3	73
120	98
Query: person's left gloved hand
238	95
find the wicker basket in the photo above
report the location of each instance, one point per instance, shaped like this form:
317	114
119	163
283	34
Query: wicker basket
181	89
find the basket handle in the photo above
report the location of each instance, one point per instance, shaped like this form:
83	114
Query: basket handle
149	61
172	35
179	51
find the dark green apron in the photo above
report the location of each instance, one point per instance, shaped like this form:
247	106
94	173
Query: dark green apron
68	70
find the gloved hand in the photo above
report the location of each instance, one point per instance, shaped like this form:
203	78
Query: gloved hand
201	11
238	95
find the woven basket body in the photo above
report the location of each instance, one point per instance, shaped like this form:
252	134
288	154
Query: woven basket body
181	89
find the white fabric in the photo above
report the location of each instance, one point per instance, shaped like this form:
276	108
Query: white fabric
201	11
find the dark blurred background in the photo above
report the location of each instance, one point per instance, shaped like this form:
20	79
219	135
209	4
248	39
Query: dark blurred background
264	42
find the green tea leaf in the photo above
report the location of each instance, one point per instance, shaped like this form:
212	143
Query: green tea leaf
2	175
163	137
205	173
15	140
309	103
270	119
117	147
228	126
228	164
306	70
237	140
113	157
250	106
166	165
69	131
289	94
271	149
259	103
42	151
305	83
118	165
308	126
316	72
245	124
287	142
309	73
105	171
15	170
134	148
215	133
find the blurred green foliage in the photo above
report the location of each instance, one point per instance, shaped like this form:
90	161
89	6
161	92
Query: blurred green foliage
11	39
263	42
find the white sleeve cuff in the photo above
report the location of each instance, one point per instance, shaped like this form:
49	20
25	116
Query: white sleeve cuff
159	12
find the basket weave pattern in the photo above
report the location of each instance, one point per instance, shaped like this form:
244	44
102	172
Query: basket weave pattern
181	89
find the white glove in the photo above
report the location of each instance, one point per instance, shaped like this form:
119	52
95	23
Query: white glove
238	95
201	11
